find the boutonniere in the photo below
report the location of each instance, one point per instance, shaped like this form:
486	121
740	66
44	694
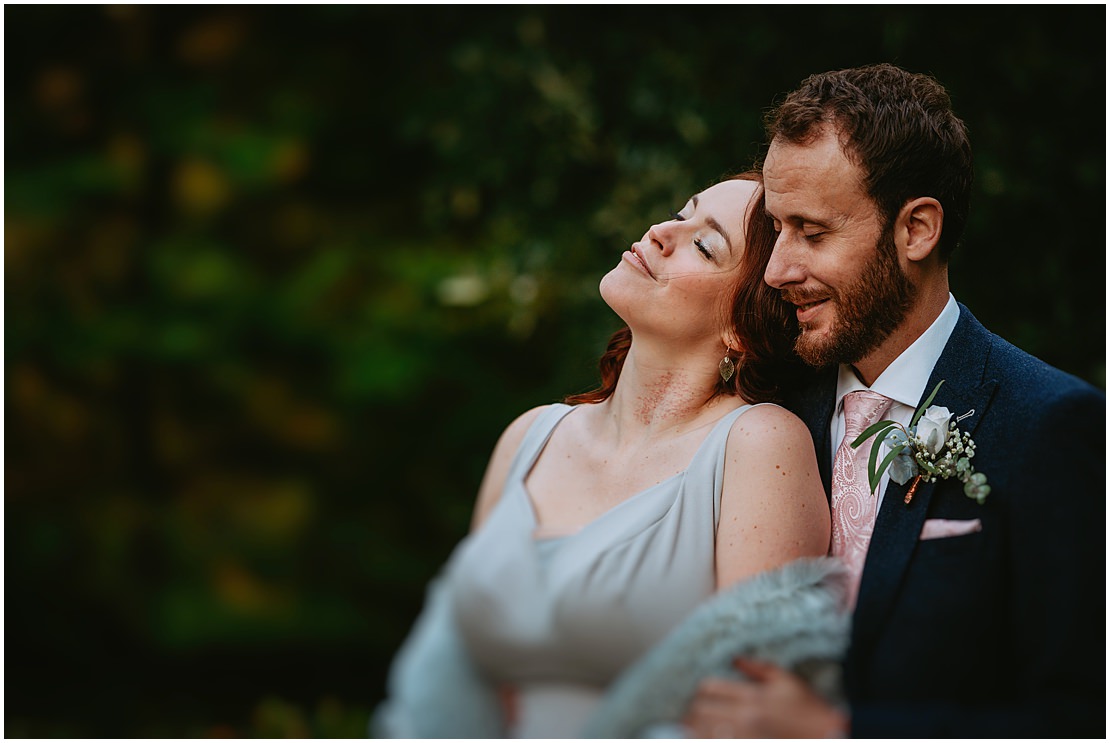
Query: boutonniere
931	449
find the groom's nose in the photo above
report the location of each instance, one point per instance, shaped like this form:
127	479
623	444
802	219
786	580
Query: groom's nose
785	266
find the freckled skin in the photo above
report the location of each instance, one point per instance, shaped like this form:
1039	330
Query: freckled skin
666	397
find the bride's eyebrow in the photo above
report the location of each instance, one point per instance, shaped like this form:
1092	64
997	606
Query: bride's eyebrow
715	225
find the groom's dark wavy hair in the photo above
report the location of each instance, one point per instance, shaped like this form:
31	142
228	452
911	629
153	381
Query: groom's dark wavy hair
898	127
762	322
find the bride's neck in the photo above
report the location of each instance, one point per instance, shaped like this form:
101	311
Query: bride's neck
654	396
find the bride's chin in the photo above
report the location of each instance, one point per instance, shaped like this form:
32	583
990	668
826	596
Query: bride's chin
614	294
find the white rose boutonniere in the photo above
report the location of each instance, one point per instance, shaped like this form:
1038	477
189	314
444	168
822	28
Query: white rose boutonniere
932	429
930	449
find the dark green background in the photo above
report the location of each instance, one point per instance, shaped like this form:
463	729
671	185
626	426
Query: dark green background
276	278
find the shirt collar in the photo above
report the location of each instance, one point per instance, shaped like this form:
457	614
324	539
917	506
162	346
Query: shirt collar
905	378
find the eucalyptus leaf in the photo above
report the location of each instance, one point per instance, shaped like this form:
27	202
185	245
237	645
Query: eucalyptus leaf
876	446
871	430
874	475
927	466
928	401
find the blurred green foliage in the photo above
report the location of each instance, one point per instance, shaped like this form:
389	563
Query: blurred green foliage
276	278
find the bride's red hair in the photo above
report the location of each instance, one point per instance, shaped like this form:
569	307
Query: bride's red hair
761	320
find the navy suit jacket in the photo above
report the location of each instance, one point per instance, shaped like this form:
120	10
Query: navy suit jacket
998	633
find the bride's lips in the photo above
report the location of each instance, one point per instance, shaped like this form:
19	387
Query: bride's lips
633	256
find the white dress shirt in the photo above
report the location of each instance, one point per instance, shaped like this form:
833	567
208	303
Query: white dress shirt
903	381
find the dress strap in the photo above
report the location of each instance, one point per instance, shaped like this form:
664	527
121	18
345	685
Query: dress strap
535	439
711	455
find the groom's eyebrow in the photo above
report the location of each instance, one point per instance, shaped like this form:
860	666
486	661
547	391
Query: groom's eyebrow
801	219
715	225
767	211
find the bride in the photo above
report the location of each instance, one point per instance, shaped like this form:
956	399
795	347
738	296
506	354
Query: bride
602	524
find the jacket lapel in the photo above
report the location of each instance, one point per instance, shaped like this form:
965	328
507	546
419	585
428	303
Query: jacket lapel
966	393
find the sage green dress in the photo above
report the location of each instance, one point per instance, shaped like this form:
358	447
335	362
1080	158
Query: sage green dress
559	619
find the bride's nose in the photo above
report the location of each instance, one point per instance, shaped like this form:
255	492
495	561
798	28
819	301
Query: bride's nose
661	237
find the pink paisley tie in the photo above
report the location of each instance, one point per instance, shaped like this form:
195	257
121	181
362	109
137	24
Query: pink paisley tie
853	504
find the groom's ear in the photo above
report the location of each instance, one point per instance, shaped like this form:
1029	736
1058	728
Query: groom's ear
917	228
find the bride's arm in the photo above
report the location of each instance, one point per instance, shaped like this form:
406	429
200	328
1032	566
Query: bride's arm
773	507
493	482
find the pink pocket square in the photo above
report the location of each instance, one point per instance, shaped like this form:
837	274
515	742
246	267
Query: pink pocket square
941	528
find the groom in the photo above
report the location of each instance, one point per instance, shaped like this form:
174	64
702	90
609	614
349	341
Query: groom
970	619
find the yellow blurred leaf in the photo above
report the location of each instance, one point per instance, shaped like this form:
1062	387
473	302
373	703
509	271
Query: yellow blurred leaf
199	187
275	718
58	87
289	161
273	405
239	589
211	41
128	154
255	508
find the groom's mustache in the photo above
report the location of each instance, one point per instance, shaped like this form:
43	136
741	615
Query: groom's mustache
800	295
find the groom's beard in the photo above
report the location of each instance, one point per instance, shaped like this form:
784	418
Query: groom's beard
867	311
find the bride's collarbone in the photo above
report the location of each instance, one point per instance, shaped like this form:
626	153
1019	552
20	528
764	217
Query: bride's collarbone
575	500
591	476
583	471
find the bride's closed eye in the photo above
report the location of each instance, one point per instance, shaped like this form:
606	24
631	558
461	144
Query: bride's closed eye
703	249
699	243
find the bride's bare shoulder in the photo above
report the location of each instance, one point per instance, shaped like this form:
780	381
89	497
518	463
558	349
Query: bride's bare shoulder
498	468
767	425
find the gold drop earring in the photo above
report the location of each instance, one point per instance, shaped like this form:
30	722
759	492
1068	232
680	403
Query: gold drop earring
727	367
